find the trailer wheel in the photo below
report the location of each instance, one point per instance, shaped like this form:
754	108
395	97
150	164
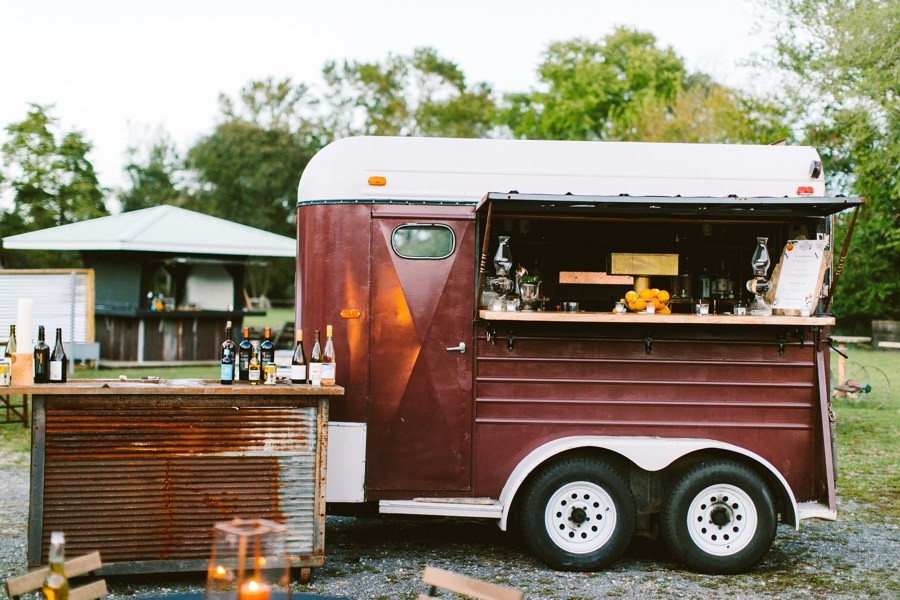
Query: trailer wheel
719	517
578	515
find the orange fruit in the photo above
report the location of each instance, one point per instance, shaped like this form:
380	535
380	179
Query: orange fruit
631	295
664	311
663	296
640	304
655	292
646	293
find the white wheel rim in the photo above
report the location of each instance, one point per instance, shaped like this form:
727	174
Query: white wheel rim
722	520
580	517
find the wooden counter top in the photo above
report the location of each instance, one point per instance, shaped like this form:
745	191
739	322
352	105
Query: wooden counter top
170	387
645	319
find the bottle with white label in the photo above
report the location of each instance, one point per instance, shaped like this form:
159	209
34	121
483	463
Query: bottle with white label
315	362
329	367
298	361
254	368
58	366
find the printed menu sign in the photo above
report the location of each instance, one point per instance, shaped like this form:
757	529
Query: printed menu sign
802	270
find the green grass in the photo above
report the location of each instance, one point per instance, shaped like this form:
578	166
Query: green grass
192	372
274	317
867	434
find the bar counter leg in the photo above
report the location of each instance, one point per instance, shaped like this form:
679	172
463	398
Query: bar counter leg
36	499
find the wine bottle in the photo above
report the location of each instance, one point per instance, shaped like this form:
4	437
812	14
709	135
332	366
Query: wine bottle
56	586
328	364
254	368
58	364
226	375
41	359
266	350
298	361
315	362
244	356
11	343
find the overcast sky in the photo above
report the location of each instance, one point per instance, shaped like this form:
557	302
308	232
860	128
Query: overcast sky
120	70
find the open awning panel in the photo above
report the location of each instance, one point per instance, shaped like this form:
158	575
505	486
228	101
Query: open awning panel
666	206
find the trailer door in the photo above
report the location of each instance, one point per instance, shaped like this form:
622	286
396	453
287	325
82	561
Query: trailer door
420	395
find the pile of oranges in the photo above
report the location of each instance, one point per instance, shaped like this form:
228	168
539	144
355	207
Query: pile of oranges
655	297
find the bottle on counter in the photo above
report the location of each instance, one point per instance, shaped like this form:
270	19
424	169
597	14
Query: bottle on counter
329	367
11	343
58	364
56	586
315	362
226	375
244	356
254	368
41	359
298	361
266	350
705	284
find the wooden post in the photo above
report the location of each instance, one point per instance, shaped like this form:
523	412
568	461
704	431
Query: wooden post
482	265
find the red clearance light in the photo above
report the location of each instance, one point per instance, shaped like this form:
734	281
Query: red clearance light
804	190
350	313
377	180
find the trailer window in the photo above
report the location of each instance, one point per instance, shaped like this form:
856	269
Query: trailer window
423	241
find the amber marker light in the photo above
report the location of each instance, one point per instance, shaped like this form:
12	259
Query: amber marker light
350	313
377	180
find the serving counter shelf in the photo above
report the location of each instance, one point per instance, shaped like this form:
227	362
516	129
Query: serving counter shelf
141	470
645	319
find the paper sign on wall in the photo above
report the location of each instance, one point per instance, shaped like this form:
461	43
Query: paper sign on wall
800	278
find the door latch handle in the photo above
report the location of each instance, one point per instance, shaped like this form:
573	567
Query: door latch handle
461	348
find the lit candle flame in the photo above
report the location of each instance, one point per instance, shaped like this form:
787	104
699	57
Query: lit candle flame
252	586
220	571
261	561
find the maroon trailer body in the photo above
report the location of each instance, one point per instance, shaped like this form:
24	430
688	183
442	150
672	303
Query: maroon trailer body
582	428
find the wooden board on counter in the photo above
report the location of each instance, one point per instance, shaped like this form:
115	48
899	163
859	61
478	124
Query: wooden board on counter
608	317
170	387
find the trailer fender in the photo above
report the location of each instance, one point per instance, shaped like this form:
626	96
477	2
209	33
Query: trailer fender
648	453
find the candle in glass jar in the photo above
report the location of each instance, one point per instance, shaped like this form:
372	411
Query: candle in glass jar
254	590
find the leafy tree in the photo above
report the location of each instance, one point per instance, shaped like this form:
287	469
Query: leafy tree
51	181
153	177
247	169
840	62
625	87
421	94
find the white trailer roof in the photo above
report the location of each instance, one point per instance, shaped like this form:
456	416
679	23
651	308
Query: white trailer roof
158	229
464	170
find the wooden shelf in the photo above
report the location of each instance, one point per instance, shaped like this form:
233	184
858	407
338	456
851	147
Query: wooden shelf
608	317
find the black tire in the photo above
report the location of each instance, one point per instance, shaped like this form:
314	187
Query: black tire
577	515
719	517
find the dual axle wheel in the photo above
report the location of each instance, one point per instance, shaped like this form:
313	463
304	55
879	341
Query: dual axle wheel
579	515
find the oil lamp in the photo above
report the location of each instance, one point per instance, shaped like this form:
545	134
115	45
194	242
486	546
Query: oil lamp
249	561
759	284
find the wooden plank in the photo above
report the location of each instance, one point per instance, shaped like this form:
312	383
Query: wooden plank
596	278
136	387
33	580
608	317
468	585
95	589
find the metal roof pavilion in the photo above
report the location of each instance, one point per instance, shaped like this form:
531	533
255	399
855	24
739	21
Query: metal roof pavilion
168	229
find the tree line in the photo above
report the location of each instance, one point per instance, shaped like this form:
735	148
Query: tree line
839	78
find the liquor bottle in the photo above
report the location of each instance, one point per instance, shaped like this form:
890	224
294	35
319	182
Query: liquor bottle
266	350
244	356
11	343
315	362
254	369
56	586
329	367
705	284
226	375
41	359
58	363
298	361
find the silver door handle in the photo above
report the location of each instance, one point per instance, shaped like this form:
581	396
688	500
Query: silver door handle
461	348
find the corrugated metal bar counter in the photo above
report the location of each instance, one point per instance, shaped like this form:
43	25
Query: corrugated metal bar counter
142	470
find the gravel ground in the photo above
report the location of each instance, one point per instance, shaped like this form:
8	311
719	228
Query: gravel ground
856	557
